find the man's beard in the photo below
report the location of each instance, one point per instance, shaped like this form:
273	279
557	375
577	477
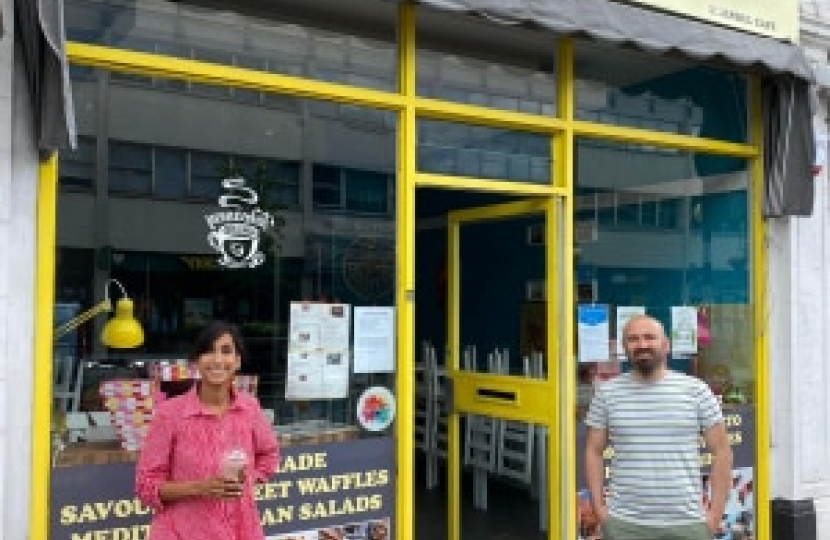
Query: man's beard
645	366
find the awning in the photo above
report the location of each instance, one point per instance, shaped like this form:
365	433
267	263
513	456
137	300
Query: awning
39	27
789	148
653	31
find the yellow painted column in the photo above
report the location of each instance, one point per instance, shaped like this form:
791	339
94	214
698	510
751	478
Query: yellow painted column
405	264
561	370
42	380
758	299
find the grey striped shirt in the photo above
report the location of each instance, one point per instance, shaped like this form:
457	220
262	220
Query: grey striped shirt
654	430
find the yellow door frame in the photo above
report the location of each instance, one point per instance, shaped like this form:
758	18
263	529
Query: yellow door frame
535	401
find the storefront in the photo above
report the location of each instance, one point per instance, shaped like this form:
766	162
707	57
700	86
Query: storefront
429	226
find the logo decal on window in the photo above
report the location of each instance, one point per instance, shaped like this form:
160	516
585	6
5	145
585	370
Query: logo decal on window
235	233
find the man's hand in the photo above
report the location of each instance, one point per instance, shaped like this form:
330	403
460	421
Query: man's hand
602	513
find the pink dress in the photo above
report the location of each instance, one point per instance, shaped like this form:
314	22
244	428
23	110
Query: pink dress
186	442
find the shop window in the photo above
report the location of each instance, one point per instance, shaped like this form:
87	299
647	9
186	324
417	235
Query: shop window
660	93
170	248
685	263
349	42
77	167
465	66
130	168
464	150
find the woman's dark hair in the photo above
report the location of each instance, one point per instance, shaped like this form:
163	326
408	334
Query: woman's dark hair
210	333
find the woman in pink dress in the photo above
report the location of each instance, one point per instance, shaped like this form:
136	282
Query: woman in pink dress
206	449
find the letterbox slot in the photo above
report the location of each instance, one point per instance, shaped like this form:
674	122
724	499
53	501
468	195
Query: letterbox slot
501	395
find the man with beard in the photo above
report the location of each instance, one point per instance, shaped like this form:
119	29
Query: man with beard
653	419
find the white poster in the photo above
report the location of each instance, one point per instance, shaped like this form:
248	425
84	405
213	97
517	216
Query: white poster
318	351
374	339
683	330
625	314
593	333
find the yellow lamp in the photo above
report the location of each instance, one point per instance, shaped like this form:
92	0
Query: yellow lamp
121	332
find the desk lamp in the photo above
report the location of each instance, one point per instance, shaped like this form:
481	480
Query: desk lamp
120	332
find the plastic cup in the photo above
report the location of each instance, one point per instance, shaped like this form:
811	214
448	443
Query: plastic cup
233	463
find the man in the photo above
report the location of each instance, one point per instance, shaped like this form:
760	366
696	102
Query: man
653	418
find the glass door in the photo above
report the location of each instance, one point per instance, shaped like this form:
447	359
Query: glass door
501	402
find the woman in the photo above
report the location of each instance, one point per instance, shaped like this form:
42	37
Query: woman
184	473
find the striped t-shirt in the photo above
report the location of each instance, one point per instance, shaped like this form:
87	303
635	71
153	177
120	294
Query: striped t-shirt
654	429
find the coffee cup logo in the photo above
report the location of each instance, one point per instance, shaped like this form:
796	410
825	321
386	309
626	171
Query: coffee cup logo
235	234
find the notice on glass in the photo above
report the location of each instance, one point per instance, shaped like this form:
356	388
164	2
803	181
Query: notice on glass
374	339
593	332
683	330
625	314
318	351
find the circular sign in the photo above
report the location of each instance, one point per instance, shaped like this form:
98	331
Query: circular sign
376	408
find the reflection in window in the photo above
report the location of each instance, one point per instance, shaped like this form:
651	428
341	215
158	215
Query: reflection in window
366	191
661	93
517	75
326	191
276	182
353	190
464	150
171	173
208	170
77	167
265	40
130	168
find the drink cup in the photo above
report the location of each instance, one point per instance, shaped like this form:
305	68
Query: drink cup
233	463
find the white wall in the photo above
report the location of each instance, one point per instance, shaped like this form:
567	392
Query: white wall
6	66
18	176
799	319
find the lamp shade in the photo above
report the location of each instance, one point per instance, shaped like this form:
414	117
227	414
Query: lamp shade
123	331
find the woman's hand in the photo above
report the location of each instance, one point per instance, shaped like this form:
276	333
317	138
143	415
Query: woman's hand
221	487
217	487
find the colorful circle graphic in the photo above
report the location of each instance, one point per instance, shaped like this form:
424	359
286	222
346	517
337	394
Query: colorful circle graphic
376	408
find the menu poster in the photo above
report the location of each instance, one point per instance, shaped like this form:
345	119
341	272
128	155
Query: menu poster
318	351
683	330
625	314
374	339
592	332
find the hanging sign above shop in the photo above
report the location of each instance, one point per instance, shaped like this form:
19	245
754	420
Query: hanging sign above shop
236	233
777	19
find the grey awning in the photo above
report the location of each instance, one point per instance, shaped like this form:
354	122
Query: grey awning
789	141
610	22
39	27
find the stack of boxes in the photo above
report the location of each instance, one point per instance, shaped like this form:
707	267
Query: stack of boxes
130	402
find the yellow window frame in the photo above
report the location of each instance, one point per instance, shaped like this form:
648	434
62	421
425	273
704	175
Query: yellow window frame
409	107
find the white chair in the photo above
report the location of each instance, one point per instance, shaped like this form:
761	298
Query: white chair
68	383
77	424
101	418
